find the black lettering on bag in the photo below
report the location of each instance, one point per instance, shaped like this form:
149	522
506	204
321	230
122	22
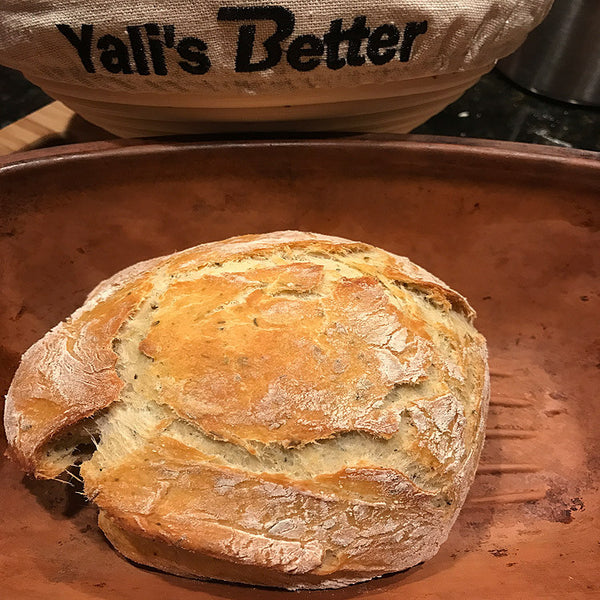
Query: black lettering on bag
147	48
169	35
385	36
354	35
115	55
137	47
82	44
411	31
281	16
333	38
157	53
192	50
305	46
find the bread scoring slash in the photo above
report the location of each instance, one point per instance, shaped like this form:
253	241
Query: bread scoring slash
288	409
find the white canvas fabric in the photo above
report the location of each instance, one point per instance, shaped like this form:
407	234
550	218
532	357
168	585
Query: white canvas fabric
209	54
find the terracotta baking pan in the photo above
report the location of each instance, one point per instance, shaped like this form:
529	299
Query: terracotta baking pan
514	227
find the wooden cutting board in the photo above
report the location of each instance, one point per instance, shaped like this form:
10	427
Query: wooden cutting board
51	125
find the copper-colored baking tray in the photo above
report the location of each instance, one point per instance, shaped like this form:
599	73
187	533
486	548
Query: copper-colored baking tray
515	228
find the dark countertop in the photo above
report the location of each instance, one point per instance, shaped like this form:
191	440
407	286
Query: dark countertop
495	109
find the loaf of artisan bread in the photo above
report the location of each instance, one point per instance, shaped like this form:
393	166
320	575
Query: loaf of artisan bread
288	409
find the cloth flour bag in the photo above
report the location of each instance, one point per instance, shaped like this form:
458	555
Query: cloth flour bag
184	66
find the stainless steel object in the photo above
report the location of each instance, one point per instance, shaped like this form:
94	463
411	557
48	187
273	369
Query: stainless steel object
561	58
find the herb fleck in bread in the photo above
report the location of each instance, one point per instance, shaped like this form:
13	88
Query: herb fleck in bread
287	409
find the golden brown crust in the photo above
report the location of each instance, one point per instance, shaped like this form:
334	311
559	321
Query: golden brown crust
338	522
283	368
172	559
397	268
294	409
67	376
